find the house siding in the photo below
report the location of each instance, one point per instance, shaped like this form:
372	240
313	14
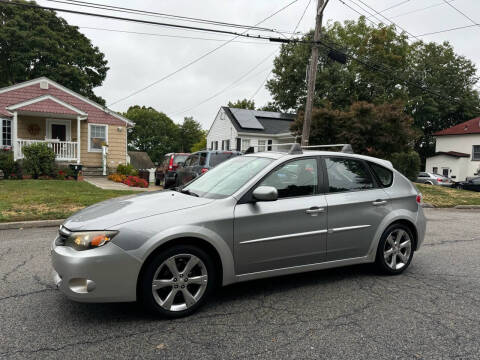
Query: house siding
222	129
461	167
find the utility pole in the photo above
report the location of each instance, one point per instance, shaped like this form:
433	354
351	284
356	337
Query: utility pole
312	72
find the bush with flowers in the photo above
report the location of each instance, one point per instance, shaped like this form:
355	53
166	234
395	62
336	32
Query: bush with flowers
135	181
117	177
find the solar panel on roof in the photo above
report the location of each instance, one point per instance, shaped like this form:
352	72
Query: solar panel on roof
246	119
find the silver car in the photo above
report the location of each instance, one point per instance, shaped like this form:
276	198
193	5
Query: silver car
434	179
254	216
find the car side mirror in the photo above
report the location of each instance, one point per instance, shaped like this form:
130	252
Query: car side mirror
265	193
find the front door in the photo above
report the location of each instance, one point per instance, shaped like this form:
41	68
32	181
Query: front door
288	232
356	207
59	132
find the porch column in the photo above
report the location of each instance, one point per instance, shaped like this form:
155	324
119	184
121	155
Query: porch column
14	136
78	139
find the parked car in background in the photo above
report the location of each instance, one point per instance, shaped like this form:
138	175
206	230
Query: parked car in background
200	162
472	184
166	172
434	179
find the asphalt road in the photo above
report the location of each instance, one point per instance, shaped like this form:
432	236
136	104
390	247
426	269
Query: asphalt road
432	311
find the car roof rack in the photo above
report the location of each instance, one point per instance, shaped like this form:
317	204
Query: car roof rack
296	148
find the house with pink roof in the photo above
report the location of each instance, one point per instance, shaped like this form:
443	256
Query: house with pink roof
76	128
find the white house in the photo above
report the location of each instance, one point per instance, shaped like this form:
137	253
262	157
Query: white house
457	151
239	129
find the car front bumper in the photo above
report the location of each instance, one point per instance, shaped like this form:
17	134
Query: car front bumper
105	274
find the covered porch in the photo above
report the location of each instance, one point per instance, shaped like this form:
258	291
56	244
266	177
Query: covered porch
47	120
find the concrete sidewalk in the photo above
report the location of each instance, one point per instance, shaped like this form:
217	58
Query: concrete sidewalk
103	183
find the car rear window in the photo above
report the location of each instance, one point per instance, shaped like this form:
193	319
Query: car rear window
384	175
179	158
346	174
216	159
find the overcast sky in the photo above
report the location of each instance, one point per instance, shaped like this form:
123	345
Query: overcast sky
137	60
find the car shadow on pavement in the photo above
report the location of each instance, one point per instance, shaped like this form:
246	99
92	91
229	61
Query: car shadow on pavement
226	299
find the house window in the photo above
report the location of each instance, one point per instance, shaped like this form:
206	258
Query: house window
6	138
216	145
270	143
211	145
435	170
223	144
97	135
227	144
245	144
262	145
476	152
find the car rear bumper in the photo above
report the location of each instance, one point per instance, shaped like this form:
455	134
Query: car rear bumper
421	227
106	274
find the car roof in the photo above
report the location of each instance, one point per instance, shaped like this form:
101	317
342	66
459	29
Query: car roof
279	155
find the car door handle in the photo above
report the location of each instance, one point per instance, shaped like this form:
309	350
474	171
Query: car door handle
314	211
379	202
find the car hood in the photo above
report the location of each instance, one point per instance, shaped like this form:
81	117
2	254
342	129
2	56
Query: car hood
107	214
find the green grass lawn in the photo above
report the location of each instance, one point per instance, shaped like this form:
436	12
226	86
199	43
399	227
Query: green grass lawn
22	200
447	197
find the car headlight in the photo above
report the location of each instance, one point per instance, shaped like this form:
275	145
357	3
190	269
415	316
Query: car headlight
89	239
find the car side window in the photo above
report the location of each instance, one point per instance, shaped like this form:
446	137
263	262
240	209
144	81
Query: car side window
384	175
192	160
203	159
295	178
422	175
346	174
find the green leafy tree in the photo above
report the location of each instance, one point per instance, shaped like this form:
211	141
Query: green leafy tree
396	71
200	145
154	132
36	42
190	133
374	130
242	104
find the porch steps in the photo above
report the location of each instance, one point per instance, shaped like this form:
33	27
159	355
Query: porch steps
92	171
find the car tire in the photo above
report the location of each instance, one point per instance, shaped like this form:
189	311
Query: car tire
395	250
428	183
174	293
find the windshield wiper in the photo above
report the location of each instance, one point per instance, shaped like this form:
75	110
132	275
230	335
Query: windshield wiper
188	192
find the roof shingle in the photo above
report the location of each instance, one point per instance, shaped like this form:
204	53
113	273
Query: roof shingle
468	127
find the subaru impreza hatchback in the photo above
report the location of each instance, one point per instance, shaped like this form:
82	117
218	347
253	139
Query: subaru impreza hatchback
254	216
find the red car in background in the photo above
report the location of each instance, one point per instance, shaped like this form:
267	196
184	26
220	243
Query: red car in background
166	173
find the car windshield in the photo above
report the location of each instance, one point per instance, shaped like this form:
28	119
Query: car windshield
225	179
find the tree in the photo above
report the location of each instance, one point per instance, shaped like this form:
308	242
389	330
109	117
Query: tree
154	132
35	42
242	104
374	130
190	133
434	83
200	145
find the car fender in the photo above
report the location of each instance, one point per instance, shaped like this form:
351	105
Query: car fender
393	216
192	231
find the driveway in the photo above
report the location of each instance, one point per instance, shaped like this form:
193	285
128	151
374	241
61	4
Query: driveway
429	312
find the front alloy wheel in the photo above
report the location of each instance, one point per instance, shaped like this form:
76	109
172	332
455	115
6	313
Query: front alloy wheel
177	281
395	250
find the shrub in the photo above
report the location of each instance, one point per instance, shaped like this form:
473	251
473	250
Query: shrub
39	160
408	163
7	165
135	181
117	177
126	169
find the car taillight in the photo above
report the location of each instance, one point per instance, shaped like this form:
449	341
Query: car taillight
439	180
419	199
170	164
204	170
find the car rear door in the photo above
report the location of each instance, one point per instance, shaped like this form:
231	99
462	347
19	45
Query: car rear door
185	174
290	231
356	207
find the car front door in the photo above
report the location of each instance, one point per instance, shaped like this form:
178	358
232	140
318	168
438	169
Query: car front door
290	231
356	207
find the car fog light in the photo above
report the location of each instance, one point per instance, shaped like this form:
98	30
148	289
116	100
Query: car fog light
82	286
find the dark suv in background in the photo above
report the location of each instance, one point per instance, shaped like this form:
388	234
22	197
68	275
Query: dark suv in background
200	162
166	172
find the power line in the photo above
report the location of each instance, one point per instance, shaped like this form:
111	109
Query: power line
359	13
461	12
394	6
198	58
418	10
451	29
268	75
157	14
174	36
403	29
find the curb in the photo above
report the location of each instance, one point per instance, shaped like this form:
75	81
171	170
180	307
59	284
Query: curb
30	224
468	207
427	206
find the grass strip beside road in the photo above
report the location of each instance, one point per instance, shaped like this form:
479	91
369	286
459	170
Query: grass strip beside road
441	196
25	200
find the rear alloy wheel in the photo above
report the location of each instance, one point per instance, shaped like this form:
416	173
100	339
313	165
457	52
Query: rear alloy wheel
395	250
178	281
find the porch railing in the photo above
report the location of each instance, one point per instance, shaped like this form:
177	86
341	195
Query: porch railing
64	150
